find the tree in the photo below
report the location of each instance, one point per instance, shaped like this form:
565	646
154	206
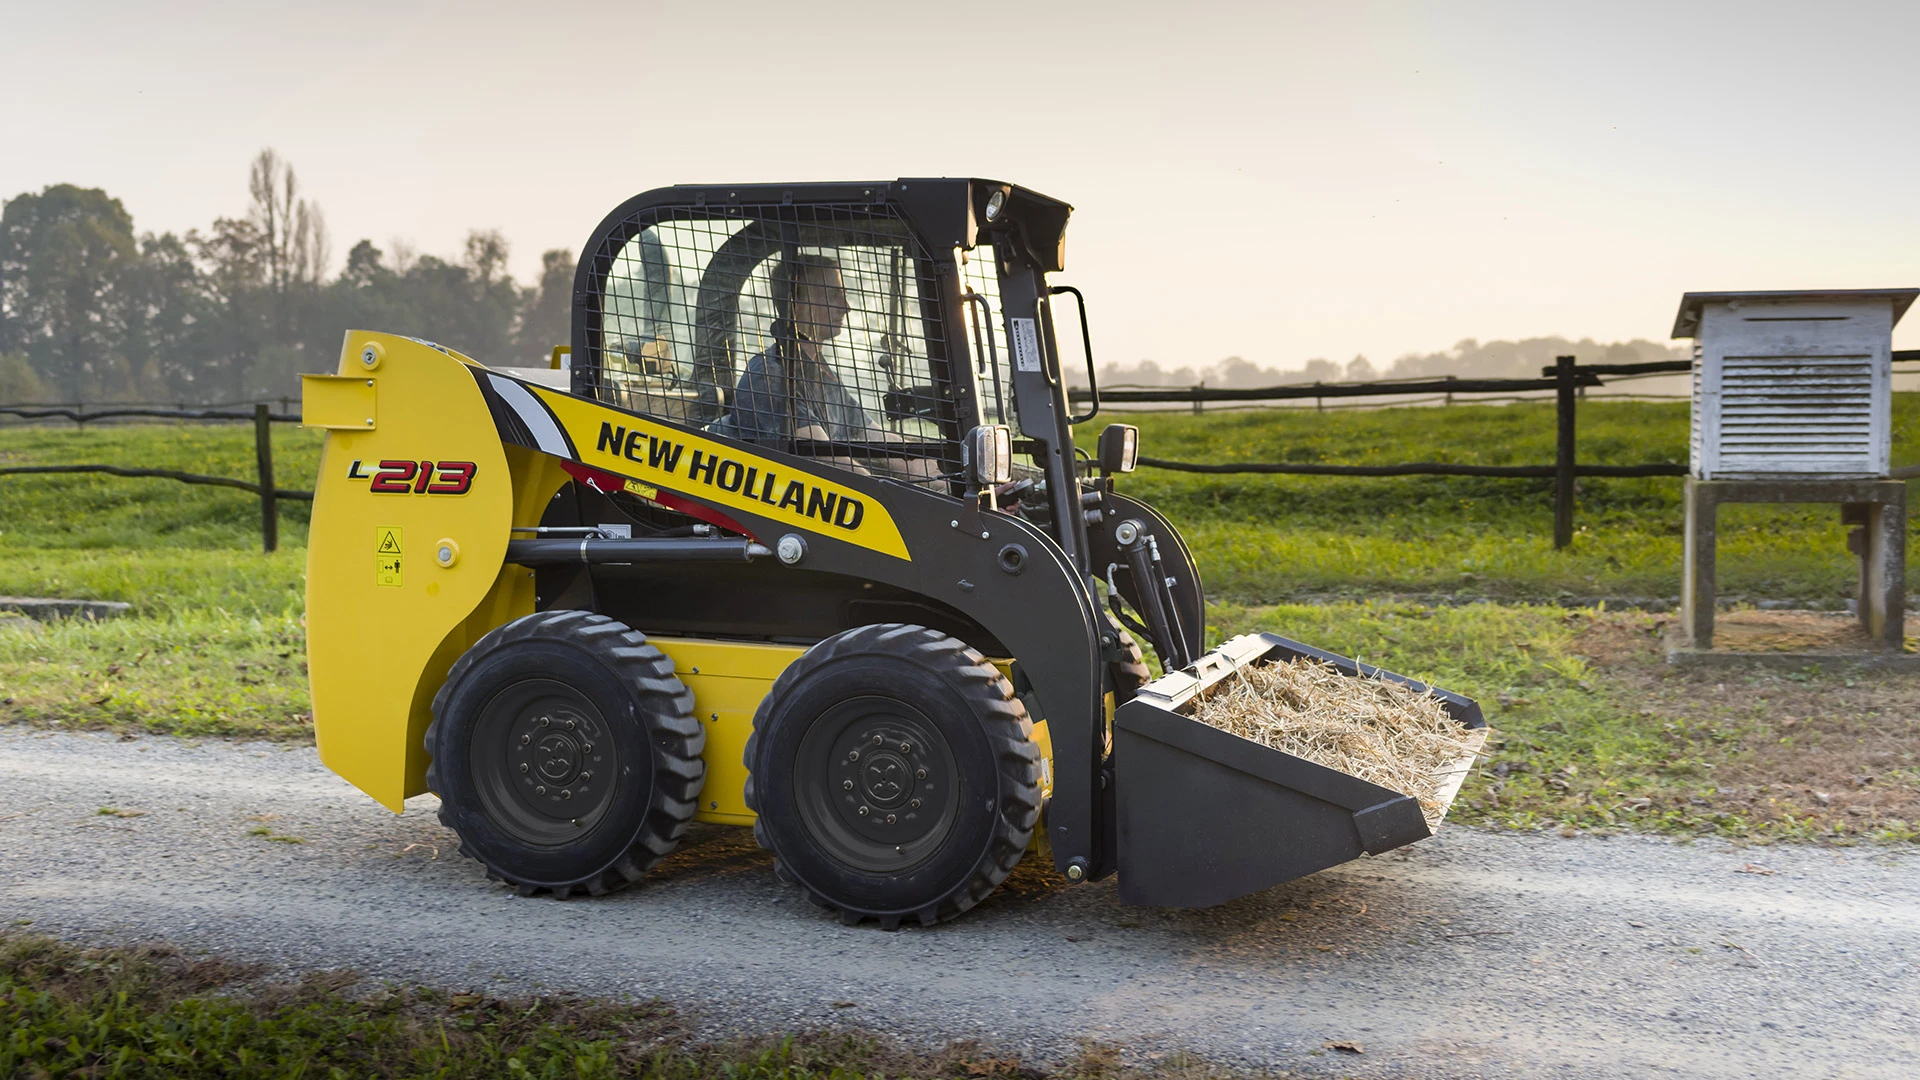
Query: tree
64	254
18	382
167	313
1320	369
547	318
292	234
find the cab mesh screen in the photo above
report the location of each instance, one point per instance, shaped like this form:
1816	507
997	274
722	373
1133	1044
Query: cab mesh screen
814	328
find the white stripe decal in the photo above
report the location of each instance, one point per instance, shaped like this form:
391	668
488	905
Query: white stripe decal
533	414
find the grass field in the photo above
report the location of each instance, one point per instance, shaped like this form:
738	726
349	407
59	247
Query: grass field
1595	731
153	1012
1267	538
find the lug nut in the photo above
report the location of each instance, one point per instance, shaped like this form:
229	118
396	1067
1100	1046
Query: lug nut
541	790
876	740
919	774
525	739
566	793
523	766
586	776
847	785
906	748
913	804
570	725
586	748
863	811
853	755
890	819
546	721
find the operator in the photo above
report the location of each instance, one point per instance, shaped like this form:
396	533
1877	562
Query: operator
789	390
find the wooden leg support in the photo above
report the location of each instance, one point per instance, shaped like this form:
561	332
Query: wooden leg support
1697	564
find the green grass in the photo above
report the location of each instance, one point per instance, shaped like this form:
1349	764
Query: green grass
189	674
216	647
1628	743
153	1012
1270	538
97	511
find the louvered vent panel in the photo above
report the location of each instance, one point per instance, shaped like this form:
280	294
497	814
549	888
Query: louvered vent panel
1693	432
1796	414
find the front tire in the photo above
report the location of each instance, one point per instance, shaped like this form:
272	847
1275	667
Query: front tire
894	775
565	754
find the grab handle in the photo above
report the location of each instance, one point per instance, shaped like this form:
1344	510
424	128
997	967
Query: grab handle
1086	345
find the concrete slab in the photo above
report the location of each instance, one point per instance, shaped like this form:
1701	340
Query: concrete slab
47	609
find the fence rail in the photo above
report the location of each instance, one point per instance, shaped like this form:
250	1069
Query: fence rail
1566	378
80	416
261	414
1416	468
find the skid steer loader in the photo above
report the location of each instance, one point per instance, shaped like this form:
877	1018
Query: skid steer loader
794	535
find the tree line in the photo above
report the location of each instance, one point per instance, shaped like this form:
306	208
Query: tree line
91	311
1470	358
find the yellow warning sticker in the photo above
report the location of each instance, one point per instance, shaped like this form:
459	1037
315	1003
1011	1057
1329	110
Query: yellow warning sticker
386	539
637	488
386	570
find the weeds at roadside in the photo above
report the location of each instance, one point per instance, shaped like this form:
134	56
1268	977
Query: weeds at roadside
152	1011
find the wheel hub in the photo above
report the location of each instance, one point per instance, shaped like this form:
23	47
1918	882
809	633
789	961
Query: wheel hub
550	768
883	784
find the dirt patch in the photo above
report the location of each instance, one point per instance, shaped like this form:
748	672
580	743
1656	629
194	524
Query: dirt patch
1833	747
1790	631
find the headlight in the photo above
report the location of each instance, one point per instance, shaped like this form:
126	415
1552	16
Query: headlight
995	203
989	455
1119	448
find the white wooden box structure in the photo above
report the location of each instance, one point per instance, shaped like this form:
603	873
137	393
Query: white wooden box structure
1791	385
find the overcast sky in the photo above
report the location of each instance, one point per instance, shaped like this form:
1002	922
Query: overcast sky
1277	181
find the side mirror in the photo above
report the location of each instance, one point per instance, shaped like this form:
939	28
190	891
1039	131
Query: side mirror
987	455
1119	448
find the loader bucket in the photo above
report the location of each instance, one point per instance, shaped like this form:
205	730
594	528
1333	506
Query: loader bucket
1205	816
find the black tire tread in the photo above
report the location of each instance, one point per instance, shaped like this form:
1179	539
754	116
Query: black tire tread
1009	731
675	733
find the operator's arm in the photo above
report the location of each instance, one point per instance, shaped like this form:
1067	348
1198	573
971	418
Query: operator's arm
858	426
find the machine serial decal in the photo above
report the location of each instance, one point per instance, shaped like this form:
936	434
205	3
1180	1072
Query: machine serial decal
662	457
402	477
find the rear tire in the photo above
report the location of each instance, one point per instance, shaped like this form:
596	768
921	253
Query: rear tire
894	774
565	754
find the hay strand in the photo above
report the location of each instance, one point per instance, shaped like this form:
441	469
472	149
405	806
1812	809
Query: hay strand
1380	731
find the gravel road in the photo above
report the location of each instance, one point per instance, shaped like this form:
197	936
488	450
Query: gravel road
1473	954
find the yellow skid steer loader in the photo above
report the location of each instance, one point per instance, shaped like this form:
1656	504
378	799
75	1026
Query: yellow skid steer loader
793	535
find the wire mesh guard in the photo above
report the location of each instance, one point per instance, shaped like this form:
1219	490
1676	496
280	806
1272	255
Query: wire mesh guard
815	329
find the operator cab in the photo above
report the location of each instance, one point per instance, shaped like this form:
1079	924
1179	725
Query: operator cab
819	322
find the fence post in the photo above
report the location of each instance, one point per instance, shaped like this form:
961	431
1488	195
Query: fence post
1563	453
1451	378
1198	404
263	454
1319	404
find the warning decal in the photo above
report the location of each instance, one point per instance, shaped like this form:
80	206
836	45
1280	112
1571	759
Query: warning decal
1026	345
386	556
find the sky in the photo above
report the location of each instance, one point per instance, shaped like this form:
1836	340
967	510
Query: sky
1275	181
